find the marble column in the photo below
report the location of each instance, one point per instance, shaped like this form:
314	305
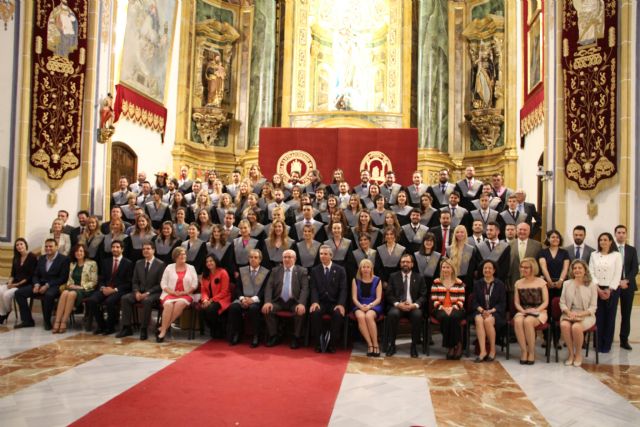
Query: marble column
262	77
433	75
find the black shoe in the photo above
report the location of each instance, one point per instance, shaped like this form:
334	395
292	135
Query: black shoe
47	326
391	350
24	325
255	341
523	362
124	332
3	317
108	331
318	348
98	331
531	362
272	342
294	343
143	334
414	351
159	340
625	345
331	349
235	339
478	359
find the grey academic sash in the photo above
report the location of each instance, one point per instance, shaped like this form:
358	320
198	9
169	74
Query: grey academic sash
427	265
242	252
339	252
308	256
390	259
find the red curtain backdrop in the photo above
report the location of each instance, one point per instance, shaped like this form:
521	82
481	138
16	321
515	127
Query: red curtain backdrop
344	148
589	65
59	53
139	109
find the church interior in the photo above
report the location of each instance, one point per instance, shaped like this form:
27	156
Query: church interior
122	104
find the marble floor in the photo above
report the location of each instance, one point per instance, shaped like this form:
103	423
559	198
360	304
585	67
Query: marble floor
52	380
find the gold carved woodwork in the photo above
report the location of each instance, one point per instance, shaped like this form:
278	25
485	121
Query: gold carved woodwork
485	38
209	121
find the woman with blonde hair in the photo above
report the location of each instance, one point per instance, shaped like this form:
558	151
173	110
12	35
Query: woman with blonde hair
62	239
578	302
92	237
275	245
530	300
179	281
366	291
463	256
447	295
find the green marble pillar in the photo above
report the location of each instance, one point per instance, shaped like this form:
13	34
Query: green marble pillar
263	48
433	75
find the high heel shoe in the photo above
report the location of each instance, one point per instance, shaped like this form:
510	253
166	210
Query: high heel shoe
62	328
370	351
376	352
56	328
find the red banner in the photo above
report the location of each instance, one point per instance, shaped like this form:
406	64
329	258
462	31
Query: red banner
589	64
140	110
378	150
59	55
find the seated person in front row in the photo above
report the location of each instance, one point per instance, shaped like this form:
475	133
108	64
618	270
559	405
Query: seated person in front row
447	294
328	296
248	297
52	271
287	290
147	274
22	269
366	291
216	296
406	296
113	283
578	302
489	306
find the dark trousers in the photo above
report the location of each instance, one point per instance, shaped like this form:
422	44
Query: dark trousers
235	318
272	319
337	322
110	303
210	316
450	327
128	302
48	300
416	318
606	321
626	304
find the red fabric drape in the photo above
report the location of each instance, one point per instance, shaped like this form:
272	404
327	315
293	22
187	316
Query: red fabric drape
139	109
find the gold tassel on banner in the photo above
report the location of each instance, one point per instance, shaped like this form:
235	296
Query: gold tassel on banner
52	197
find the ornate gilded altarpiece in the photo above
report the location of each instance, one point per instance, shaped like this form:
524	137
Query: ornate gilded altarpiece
213	87
347	63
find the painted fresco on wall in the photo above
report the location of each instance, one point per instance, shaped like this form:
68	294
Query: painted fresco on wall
147	46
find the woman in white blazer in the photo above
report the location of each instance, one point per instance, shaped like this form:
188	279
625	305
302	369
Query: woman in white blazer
63	239
179	281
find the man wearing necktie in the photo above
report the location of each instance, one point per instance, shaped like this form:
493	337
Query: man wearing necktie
119	198
628	285
328	297
147	274
406	295
113	284
287	290
579	249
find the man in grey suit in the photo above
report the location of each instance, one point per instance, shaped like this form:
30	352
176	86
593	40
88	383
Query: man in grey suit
522	247
287	290
579	249
147	274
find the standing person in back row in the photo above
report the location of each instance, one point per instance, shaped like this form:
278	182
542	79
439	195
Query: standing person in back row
627	283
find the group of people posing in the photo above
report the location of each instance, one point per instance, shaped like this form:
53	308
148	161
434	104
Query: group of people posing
253	250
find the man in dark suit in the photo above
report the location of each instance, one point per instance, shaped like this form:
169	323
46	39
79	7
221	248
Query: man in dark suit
64	217
495	250
511	215
530	210
119	197
442	231
287	290
469	188
83	216
628	284
147	274
114	282
328	296
390	188
412	234
362	189
184	183
441	191
51	272
248	297
406	295
459	215
116	213
579	249
296	232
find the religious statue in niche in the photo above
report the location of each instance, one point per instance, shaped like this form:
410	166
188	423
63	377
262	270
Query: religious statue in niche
106	130
485	37
62	30
214	75
590	20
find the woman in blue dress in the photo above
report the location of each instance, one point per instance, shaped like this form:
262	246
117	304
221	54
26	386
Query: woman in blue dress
366	290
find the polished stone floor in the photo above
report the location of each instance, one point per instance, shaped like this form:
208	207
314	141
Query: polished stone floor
52	380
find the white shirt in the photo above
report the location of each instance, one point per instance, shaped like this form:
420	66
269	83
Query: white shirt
606	270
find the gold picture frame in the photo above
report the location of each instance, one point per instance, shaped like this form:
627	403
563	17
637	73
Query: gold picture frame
533	7
534	54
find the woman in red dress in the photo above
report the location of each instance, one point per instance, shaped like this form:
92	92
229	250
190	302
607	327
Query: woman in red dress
214	288
178	282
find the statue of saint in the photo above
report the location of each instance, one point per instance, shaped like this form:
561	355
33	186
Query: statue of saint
215	74
485	76
590	20
106	112
62	30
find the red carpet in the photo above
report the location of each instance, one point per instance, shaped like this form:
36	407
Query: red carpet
219	385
